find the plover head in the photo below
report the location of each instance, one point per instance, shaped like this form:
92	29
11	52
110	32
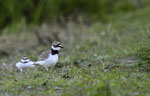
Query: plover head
56	46
25	59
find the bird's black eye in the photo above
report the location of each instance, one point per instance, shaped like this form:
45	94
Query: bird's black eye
55	46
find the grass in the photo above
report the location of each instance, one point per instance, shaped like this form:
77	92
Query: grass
102	60
35	12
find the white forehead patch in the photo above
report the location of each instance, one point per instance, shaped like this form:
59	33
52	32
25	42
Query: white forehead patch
56	48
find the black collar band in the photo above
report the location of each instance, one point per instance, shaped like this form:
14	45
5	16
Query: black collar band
24	62
54	51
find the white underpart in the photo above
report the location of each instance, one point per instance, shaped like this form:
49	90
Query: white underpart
50	61
22	66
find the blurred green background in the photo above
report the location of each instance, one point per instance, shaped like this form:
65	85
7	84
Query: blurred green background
106	47
39	11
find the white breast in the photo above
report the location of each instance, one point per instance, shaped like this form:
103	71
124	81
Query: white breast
24	65
51	60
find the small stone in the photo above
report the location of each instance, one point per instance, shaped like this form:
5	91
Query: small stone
45	83
65	76
75	63
89	65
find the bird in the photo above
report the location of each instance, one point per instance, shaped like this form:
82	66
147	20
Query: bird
50	57
24	63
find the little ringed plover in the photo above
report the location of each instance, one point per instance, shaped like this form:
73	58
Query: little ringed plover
50	57
24	63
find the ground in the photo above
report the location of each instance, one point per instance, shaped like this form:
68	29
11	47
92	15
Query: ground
98	59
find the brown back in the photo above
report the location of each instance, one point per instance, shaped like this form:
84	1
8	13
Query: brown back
44	55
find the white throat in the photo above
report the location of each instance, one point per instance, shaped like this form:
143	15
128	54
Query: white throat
56	48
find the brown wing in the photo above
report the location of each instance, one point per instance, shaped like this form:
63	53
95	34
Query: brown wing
44	55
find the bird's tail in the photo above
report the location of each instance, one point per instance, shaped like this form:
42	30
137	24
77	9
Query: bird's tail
38	63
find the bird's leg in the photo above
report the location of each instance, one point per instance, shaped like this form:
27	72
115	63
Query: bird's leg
52	68
46	68
21	70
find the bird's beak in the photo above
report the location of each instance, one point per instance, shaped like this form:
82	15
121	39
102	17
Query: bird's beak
61	47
